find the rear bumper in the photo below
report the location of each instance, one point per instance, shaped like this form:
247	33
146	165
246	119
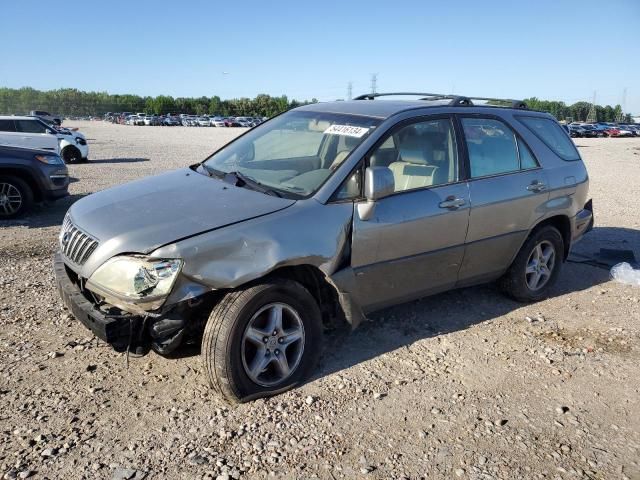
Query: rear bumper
583	221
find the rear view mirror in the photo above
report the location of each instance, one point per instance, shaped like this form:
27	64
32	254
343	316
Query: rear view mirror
378	183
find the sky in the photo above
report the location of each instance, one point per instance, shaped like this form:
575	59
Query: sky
554	50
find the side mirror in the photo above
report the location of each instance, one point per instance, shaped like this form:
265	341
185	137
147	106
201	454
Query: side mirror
378	183
49	131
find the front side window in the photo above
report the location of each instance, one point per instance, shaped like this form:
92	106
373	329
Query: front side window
550	132
422	154
494	148
294	153
30	126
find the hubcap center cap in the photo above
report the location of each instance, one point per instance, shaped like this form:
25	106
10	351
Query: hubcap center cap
272	342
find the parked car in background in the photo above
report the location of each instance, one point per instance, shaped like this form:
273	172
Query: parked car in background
612	132
392	201
32	132
576	131
28	176
28	132
624	131
171	121
217	122
46	117
203	121
590	131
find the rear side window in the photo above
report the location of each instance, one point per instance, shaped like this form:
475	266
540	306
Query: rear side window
30	126
551	133
7	126
494	148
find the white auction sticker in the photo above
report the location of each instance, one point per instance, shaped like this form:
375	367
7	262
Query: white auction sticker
346	130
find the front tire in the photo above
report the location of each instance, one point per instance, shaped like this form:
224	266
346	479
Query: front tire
71	154
536	267
262	340
16	197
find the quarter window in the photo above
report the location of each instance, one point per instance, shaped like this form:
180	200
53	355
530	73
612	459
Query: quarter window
551	133
420	155
494	148
7	126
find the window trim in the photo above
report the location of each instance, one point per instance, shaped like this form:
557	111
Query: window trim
15	130
516	134
410	121
562	157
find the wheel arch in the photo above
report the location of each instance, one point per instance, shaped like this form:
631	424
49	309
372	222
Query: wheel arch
321	289
562	224
25	175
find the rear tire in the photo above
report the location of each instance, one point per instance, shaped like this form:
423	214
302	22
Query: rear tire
16	197
536	267
246	352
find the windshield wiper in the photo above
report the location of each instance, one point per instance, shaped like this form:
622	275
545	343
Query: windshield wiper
240	180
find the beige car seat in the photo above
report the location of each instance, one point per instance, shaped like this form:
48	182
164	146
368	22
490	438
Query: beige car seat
413	170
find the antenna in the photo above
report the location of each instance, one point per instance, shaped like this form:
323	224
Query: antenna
374	82
591	116
349	90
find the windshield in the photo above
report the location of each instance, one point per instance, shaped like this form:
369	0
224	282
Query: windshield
295	152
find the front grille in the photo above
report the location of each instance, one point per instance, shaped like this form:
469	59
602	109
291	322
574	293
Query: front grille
76	245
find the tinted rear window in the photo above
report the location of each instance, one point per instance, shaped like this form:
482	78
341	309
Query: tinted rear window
551	133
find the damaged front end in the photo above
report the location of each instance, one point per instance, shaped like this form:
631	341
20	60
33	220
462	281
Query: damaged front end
163	329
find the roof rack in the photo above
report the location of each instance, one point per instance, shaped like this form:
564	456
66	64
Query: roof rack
454	100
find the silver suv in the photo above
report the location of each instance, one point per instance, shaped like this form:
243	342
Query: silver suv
323	214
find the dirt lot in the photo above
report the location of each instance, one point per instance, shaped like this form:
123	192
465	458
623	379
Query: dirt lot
465	384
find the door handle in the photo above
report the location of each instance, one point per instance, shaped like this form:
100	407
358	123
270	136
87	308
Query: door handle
536	186
452	203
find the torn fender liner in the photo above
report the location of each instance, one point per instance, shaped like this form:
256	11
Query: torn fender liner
344	281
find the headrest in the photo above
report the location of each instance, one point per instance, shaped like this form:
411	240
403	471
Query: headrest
318	125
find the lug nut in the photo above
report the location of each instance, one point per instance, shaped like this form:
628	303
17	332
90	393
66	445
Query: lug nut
265	339
280	340
277	352
275	332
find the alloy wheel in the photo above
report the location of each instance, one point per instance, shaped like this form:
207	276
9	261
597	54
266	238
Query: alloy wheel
10	199
540	265
272	344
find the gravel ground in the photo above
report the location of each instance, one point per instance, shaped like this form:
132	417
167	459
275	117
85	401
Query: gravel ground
465	384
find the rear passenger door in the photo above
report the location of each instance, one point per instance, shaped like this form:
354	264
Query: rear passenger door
35	134
507	189
414	243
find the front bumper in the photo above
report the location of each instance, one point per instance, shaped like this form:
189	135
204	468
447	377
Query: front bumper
163	331
115	331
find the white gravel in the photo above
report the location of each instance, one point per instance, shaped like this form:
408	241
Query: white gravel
466	384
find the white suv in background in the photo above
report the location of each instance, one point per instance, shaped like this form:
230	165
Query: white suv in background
31	132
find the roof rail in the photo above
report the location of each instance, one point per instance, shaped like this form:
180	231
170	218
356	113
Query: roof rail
455	100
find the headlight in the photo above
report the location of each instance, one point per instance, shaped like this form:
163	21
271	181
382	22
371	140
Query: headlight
50	159
135	281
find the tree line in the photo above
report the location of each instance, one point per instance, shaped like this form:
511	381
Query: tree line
71	102
579	111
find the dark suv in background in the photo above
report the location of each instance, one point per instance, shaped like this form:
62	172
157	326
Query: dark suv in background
27	176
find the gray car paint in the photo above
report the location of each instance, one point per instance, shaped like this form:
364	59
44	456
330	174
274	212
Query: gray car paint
228	236
143	215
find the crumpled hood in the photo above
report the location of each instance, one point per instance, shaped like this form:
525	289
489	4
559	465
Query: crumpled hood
145	214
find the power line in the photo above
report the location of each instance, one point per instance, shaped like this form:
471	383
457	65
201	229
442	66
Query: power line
374	82
591	116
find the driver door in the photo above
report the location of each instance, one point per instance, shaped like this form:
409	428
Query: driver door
413	244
